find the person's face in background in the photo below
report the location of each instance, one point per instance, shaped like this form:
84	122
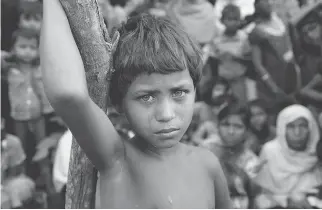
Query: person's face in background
263	8
297	134
30	21
232	130
219	93
160	8
26	49
231	22
258	118
312	33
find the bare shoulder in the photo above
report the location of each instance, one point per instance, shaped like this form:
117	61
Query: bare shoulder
205	157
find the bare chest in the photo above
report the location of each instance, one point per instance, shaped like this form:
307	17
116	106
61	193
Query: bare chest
158	186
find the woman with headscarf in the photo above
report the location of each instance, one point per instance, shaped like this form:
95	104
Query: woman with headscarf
292	170
196	17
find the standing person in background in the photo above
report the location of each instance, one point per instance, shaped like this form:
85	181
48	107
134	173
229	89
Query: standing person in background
292	170
9	24
31	18
196	17
246	9
26	106
232	49
240	164
272	55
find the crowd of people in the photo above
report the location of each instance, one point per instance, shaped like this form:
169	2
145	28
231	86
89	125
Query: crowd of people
258	104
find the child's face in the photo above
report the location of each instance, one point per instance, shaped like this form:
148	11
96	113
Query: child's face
264	7
231	22
160	107
312	33
232	130
218	90
297	134
30	22
26	49
258	117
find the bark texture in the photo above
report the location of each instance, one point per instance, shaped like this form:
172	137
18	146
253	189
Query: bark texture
94	44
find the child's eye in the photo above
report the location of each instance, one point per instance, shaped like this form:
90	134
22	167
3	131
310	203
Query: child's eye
179	93
147	98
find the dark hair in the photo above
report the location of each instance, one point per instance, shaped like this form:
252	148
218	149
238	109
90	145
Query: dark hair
30	8
235	109
151	45
207	97
258	103
230	9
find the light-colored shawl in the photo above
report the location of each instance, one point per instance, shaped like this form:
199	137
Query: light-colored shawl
287	171
196	18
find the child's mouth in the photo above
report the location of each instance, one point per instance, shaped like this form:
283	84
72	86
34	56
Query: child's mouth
167	133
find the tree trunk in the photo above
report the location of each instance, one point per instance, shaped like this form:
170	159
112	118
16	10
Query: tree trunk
94	44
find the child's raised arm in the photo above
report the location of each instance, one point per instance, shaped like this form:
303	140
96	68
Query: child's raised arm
66	89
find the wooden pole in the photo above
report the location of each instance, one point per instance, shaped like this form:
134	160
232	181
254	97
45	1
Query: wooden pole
94	44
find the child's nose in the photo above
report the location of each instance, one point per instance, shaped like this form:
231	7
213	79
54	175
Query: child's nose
165	111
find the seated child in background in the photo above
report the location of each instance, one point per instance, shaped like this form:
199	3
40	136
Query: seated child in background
14	183
157	67
261	129
240	164
231	48
219	94
25	99
206	112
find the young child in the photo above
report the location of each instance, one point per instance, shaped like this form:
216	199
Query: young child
25	99
261	129
231	48
206	113
15	185
30	15
239	162
156	71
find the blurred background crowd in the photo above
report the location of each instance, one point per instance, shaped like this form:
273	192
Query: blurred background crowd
258	104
